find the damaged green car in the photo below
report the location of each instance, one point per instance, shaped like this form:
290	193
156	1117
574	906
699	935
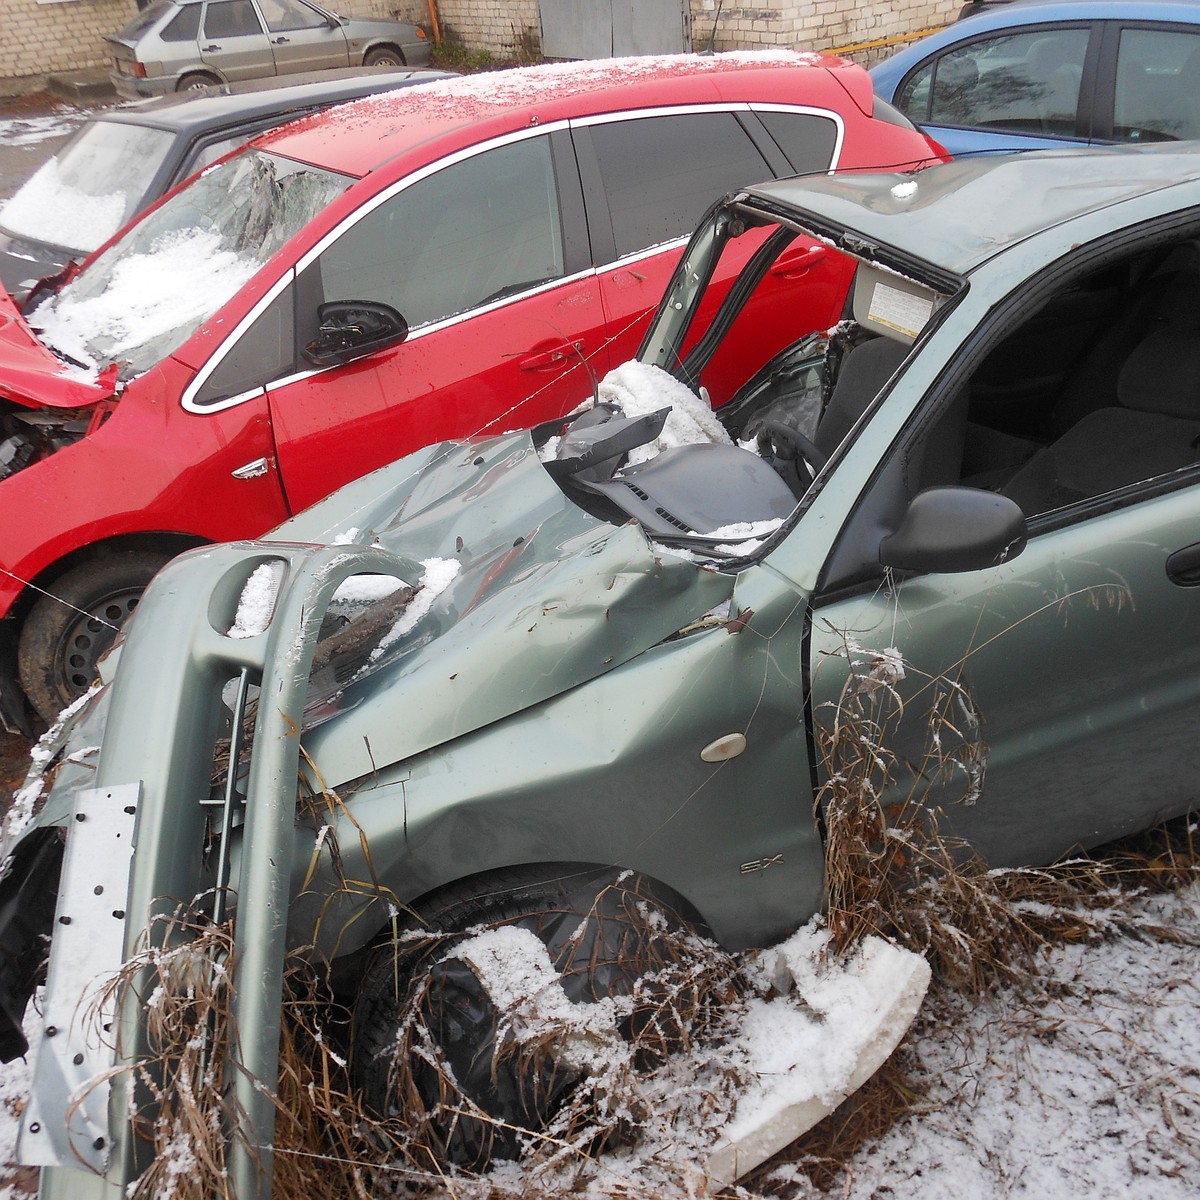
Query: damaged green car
507	673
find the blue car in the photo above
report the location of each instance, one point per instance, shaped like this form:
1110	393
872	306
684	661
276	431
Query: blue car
1041	73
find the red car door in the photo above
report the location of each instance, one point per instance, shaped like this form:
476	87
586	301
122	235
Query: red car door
659	174
505	316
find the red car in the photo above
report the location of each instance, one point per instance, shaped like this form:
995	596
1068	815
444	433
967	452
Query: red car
465	257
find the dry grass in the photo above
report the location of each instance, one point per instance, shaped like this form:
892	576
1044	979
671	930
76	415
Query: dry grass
890	872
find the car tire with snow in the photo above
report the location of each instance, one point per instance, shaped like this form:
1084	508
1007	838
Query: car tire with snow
70	627
422	1000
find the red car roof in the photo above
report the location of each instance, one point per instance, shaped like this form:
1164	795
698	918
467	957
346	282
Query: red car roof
363	136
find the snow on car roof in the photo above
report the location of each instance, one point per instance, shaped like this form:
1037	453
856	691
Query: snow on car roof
361	136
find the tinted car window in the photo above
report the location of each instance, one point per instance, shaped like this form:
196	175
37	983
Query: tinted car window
147	17
264	352
807	140
661	173
476	231
231	18
1027	82
185	27
1158	85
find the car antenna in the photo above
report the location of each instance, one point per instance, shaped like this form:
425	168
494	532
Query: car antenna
712	37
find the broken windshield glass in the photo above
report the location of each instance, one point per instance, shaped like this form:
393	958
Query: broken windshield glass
150	291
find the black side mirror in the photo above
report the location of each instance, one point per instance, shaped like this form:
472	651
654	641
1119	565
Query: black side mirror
955	529
352	329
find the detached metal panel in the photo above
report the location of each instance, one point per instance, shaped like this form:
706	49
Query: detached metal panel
610	28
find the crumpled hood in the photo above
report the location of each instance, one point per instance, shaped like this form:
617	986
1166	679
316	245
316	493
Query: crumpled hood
33	376
544	598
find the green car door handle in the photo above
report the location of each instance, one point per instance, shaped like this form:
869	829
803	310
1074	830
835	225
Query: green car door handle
1183	567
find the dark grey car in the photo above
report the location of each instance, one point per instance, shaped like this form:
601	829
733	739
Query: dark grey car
174	45
125	158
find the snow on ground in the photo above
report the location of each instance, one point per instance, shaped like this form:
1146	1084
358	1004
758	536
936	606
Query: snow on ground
1093	1089
29	130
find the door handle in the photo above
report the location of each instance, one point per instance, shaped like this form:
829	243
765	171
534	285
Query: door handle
210	49
795	265
281	41
1183	567
553	359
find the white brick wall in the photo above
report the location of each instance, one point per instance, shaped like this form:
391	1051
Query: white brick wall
42	39
39	39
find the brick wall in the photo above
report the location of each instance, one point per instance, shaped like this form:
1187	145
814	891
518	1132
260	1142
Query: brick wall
506	26
43	38
38	39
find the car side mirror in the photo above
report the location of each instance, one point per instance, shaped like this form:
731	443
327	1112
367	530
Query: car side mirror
352	329
955	529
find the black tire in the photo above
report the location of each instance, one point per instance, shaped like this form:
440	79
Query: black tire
421	978
384	56
66	631
196	80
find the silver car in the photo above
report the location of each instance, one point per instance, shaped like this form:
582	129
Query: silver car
174	45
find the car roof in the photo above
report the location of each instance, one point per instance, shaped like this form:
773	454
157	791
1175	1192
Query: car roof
1031	12
358	138
934	215
222	105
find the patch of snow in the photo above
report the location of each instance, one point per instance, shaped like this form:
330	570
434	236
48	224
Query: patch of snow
638	388
143	299
438	575
905	191
49	207
28	131
257	601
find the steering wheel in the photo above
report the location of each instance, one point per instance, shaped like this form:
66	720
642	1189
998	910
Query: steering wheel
795	457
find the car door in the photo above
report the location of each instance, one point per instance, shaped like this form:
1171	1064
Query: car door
485	257
302	38
1051	700
1014	89
649	179
233	42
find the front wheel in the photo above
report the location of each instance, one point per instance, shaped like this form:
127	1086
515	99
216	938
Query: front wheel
70	627
443	1036
384	56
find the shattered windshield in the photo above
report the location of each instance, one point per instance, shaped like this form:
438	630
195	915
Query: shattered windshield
81	197
150	291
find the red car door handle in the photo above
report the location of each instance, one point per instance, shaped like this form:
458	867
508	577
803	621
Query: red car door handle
554	358
794	265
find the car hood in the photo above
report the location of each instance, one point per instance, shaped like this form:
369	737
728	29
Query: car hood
535	597
31	375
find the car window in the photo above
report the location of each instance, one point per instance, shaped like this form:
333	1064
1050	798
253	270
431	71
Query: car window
185	27
475	231
147	18
807	139
209	152
266	351
290	14
1157	86
661	173
230	18
90	188
1026	82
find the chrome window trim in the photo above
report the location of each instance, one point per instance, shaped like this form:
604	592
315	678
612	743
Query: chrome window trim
351	219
